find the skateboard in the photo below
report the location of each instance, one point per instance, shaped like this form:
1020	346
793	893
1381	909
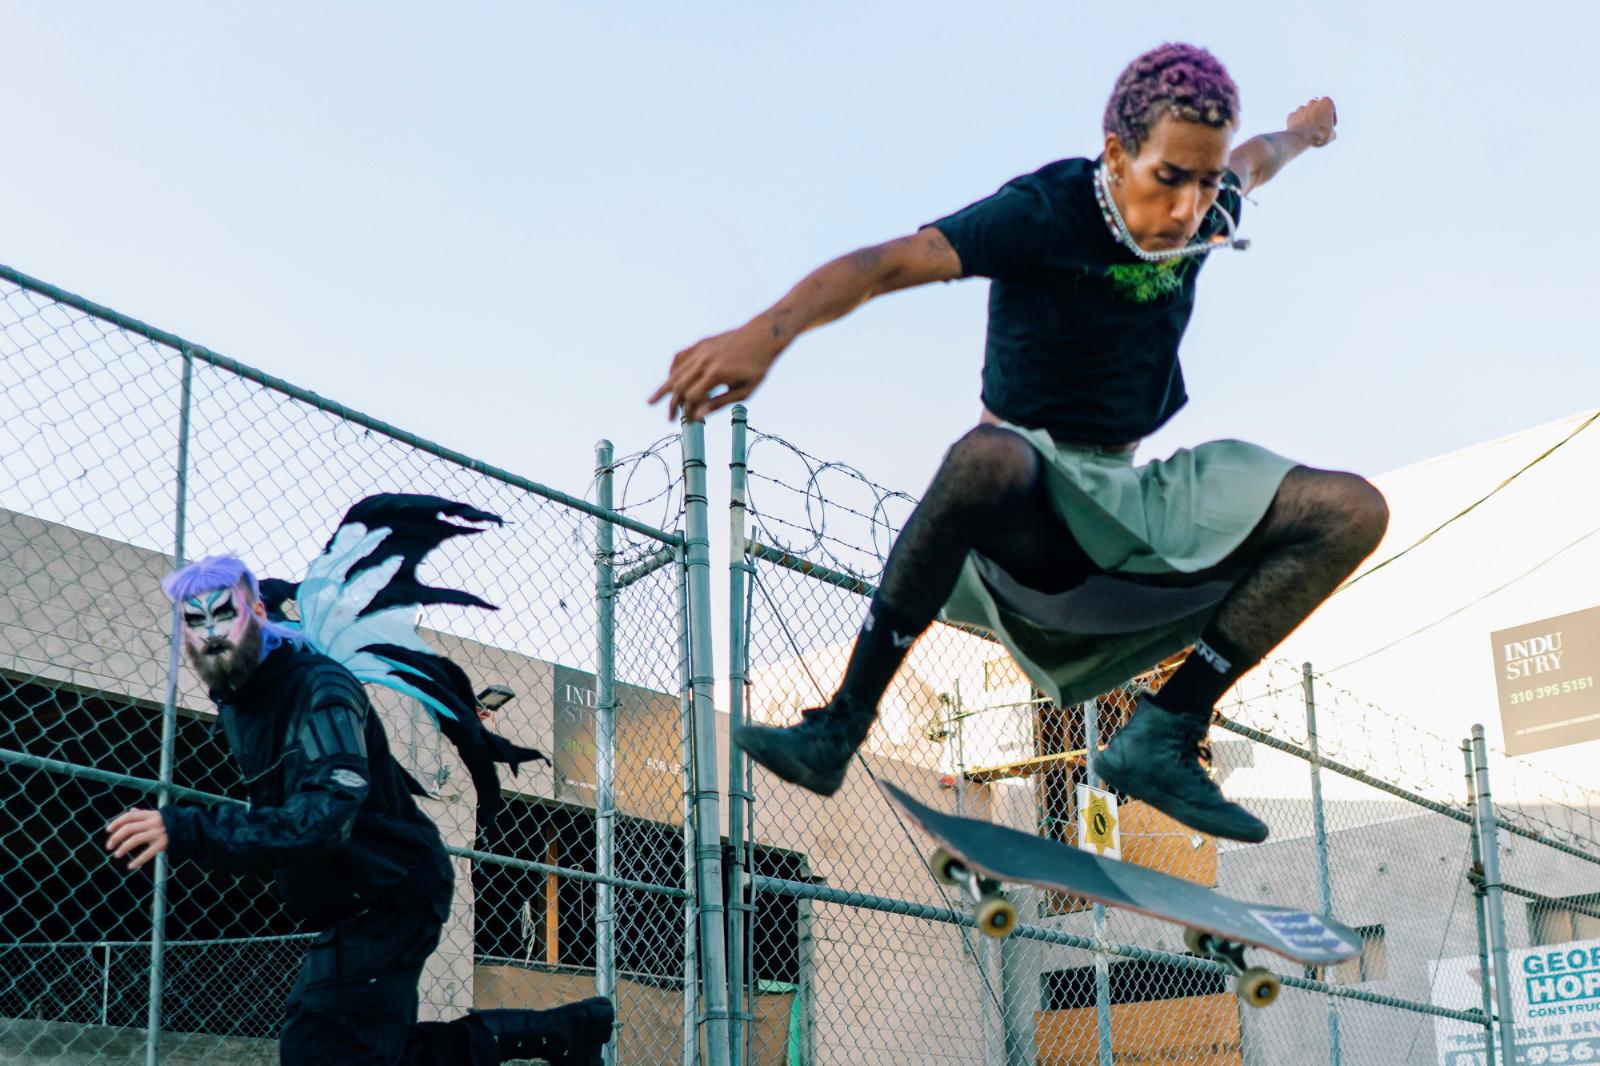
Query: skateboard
975	856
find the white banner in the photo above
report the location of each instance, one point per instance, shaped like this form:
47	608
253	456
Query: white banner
1555	1002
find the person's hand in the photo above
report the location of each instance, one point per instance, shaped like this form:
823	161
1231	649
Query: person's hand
1317	118
735	362
138	832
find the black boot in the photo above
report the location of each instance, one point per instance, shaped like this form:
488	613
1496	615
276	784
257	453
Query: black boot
565	1036
814	754
1156	758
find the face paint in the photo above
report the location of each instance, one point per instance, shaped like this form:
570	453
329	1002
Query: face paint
219	638
213	615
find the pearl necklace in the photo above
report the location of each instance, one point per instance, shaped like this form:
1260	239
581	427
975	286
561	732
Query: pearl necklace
1119	228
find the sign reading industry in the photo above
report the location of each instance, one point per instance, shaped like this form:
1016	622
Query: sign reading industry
648	768
1545	674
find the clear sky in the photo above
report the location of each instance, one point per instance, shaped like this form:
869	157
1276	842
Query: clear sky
493	224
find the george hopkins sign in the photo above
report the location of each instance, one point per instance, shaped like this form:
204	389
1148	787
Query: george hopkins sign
1545	675
1555	1004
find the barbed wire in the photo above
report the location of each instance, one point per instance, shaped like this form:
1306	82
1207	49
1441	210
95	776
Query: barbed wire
648	485
861	556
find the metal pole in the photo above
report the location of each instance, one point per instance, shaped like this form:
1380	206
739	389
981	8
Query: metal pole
605	738
739	910
1478	899
691	965
984	949
169	726
1319	822
955	717
1487	835
105	984
713	945
1102	968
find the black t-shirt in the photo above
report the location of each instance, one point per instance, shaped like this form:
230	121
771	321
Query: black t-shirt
1083	335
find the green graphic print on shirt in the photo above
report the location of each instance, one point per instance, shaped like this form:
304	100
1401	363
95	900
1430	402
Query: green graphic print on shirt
1143	282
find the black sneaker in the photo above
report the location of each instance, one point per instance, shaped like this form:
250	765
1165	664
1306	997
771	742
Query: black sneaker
572	1035
815	753
1155	758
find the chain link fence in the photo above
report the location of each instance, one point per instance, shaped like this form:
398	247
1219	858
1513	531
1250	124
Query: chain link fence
733	920
124	448
1372	820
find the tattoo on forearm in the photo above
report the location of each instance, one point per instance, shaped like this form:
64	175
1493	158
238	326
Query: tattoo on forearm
865	260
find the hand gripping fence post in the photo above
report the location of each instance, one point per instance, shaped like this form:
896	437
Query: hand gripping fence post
605	737
1488	836
1478	907
1102	969
169	726
1320	824
739	908
712	947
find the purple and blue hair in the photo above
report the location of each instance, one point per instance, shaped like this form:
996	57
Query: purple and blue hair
224	572
208	575
1182	80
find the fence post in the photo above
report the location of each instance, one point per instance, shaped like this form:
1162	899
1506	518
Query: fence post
713	945
739	909
105	983
691	873
1102	970
1488	835
169	724
1320	825
605	736
1478	901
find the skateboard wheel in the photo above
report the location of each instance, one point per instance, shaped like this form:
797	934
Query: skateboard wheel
1195	941
1258	987
996	916
944	866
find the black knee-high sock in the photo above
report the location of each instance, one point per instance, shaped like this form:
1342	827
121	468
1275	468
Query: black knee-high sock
1208	672
886	636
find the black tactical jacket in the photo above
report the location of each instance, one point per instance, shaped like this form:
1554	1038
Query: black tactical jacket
331	817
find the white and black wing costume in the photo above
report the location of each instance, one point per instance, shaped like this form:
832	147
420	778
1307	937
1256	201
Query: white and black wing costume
359	603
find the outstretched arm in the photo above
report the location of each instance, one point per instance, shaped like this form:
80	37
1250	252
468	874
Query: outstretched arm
1259	159
315	817
737	361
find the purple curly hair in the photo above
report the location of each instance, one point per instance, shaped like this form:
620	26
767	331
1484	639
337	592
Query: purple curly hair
1182	80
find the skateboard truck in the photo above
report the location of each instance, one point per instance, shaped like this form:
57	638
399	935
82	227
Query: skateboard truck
1257	986
991	911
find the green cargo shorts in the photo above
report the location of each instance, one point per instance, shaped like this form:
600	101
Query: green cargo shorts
1179	515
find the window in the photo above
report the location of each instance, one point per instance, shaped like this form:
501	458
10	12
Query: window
1131	982
77	926
547	920
774	943
1371	965
1558	921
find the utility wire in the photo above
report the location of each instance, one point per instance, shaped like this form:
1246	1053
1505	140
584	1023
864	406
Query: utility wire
1536	460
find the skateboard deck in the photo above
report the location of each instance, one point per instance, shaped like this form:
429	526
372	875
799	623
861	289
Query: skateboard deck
976	855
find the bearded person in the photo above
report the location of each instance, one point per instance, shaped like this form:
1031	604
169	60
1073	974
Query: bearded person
333	822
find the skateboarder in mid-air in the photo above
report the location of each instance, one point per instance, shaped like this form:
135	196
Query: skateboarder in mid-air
1038	524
